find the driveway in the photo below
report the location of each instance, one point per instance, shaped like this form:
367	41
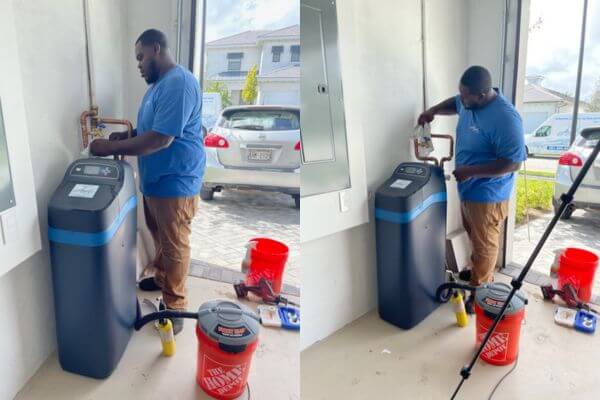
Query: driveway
582	230
223	226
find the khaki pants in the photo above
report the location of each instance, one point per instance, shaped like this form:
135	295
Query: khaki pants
169	221
483	223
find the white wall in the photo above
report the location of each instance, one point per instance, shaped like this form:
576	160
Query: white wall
142	15
20	237
50	39
382	46
446	59
380	58
267	64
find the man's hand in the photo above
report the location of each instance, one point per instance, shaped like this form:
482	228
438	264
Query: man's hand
117	136
101	148
462	173
426	117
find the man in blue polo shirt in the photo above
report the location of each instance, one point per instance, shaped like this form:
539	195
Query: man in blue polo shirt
171	162
489	149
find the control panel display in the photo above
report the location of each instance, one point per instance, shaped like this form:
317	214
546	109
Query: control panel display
411	170
95	170
91	169
400	184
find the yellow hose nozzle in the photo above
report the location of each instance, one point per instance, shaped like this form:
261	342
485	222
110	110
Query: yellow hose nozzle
462	319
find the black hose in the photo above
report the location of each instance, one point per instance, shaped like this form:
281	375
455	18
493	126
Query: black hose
444	291
161	315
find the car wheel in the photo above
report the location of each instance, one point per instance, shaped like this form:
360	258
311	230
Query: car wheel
296	200
207	194
527	151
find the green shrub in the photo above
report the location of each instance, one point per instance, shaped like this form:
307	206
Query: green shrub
539	196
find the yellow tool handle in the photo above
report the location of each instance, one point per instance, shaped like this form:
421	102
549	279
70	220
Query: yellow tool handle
167	338
462	319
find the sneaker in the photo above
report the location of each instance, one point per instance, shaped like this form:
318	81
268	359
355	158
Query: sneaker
148	284
469	306
465	275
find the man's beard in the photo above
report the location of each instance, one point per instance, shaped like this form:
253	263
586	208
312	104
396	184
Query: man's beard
153	73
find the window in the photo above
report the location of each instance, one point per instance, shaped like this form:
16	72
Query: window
234	61
295	51
277	50
543	131
262	120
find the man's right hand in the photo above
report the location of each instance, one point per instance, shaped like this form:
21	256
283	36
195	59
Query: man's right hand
426	117
117	136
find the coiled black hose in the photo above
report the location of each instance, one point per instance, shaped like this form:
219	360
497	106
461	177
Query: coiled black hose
444	291
161	315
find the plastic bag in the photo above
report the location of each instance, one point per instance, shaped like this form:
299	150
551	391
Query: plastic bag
424	142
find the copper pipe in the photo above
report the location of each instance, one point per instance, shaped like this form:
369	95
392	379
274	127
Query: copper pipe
113	121
435	160
92	115
85	132
450	152
416	145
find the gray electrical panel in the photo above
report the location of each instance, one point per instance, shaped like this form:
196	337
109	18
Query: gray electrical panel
325	165
7	194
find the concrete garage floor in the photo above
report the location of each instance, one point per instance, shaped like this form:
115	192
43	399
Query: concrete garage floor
144	374
424	363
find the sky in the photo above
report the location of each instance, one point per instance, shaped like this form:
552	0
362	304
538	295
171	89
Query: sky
228	17
553	47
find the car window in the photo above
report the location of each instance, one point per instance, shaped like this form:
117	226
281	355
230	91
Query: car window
543	131
261	120
587	143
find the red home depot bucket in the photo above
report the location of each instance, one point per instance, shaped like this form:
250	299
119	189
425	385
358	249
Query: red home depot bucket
578	267
267	260
227	338
503	346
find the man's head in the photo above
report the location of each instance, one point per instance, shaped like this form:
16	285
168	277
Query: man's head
475	87
151	51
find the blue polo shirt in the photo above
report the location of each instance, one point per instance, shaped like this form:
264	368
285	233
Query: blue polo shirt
482	136
172	106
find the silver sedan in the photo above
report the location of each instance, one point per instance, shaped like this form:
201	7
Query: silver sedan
569	165
254	147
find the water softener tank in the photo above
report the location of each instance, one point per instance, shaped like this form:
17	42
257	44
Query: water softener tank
410	213
92	233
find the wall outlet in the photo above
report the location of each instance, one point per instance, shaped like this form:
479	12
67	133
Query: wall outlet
345	201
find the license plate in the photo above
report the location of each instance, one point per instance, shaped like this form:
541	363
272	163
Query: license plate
259	155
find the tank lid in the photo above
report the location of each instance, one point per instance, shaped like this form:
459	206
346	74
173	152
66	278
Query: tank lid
228	323
491	298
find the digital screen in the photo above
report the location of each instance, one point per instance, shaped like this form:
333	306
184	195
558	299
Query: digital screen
413	170
91	170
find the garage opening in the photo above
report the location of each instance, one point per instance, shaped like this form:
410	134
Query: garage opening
249	67
559	84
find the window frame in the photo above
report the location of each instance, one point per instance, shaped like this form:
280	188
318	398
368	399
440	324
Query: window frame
277	51
295	53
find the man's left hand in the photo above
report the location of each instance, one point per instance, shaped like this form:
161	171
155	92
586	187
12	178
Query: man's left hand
462	173
101	148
